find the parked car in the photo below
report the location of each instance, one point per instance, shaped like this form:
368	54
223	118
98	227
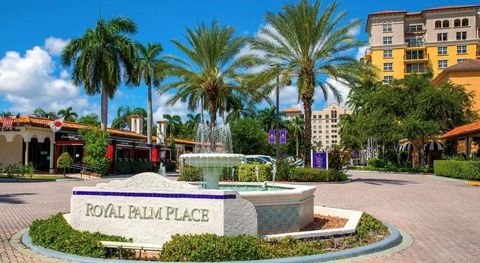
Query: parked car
299	163
257	159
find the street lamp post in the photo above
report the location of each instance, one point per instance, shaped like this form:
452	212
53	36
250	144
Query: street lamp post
277	120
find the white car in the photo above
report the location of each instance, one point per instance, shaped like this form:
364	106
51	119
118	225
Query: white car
259	159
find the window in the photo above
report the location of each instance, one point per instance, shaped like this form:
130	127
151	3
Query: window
334	114
415	28
326	136
319	116
460	60
387	53
414	41
387	27
442	50
438	24
387	79
388	66
465	22
462	49
461	35
334	141
442	36
456	22
446	23
314	131
415	67
414	54
387	40
443	63
334	131
326	116
314	116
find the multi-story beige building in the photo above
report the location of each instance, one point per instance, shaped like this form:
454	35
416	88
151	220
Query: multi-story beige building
325	130
403	42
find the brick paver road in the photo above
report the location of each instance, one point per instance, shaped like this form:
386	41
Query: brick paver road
442	215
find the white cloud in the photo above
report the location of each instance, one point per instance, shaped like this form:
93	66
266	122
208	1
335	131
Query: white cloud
342	89
361	52
54	45
179	108
29	82
288	96
354	31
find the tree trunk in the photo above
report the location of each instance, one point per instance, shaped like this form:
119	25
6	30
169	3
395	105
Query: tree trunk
296	147
104	108
213	122
202	106
307	105
149	115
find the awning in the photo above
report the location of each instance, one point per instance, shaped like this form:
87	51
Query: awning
434	146
407	147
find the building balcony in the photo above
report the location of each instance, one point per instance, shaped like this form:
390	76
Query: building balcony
409	59
415	45
414	32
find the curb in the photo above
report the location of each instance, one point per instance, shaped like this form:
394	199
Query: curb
394	239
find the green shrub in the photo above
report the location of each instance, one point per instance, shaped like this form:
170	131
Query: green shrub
469	170
55	233
316	175
170	166
96	146
337	158
376	162
99	165
283	170
190	174
246	172
64	161
210	247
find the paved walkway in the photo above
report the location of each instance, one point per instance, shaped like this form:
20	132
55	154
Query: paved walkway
442	215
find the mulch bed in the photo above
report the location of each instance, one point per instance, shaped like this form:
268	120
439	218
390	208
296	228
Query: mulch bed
325	222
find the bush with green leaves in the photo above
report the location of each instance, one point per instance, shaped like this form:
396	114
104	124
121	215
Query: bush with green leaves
247	172
376	162
64	162
338	158
55	233
469	170
283	170
190	174
96	146
316	175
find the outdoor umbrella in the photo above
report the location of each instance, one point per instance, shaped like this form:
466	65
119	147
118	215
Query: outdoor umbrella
434	146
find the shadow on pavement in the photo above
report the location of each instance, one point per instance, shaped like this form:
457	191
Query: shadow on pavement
381	181
12	198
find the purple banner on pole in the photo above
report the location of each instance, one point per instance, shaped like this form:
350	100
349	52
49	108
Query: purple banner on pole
319	160
271	136
283	136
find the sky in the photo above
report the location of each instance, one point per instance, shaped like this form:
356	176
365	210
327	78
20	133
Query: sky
34	33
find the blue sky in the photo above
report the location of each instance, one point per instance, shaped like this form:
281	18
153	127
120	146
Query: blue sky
34	32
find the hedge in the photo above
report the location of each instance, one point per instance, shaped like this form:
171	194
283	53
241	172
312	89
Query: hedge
469	170
133	167
316	175
55	233
246	172
190	174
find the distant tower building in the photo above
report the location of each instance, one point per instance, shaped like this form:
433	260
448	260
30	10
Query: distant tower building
136	124
161	131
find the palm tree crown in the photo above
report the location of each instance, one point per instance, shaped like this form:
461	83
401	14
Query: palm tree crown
100	57
68	114
209	70
308	46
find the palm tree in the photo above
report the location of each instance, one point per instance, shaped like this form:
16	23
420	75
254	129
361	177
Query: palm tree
309	46
91	119
209	71
39	112
68	114
124	114
295	128
150	68
100	58
173	124
267	117
193	120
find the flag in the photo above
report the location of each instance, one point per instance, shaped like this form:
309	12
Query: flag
56	125
7	122
283	136
271	136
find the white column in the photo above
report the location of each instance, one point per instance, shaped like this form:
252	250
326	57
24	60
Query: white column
51	166
26	153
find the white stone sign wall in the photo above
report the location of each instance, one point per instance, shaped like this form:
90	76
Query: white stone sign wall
150	209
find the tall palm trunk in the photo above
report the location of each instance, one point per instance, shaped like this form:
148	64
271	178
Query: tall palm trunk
104	107
212	109
202	106
296	146
149	115
307	104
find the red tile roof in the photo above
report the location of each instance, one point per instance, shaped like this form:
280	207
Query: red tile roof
451	7
44	122
292	110
462	130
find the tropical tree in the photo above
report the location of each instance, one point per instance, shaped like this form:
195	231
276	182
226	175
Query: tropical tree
209	71
295	128
124	116
6	113
192	120
100	57
149	68
39	112
174	122
308	46
68	114
90	119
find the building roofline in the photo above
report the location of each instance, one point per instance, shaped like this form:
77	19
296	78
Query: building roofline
460	67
